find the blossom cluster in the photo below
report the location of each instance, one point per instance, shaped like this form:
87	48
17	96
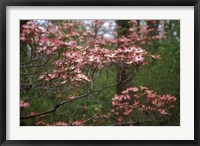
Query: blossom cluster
145	34
141	99
77	54
74	62
61	123
24	104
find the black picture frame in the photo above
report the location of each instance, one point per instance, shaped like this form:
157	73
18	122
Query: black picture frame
5	3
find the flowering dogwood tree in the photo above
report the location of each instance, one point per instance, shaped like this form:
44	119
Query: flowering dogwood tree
64	62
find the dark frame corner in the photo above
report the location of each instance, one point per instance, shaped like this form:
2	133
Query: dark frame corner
5	3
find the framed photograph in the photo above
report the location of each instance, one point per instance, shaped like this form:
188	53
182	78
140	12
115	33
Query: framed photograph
99	72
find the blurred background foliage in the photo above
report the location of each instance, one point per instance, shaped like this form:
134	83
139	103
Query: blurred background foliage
163	76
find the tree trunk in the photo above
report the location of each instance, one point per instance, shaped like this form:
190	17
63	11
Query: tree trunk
122	74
